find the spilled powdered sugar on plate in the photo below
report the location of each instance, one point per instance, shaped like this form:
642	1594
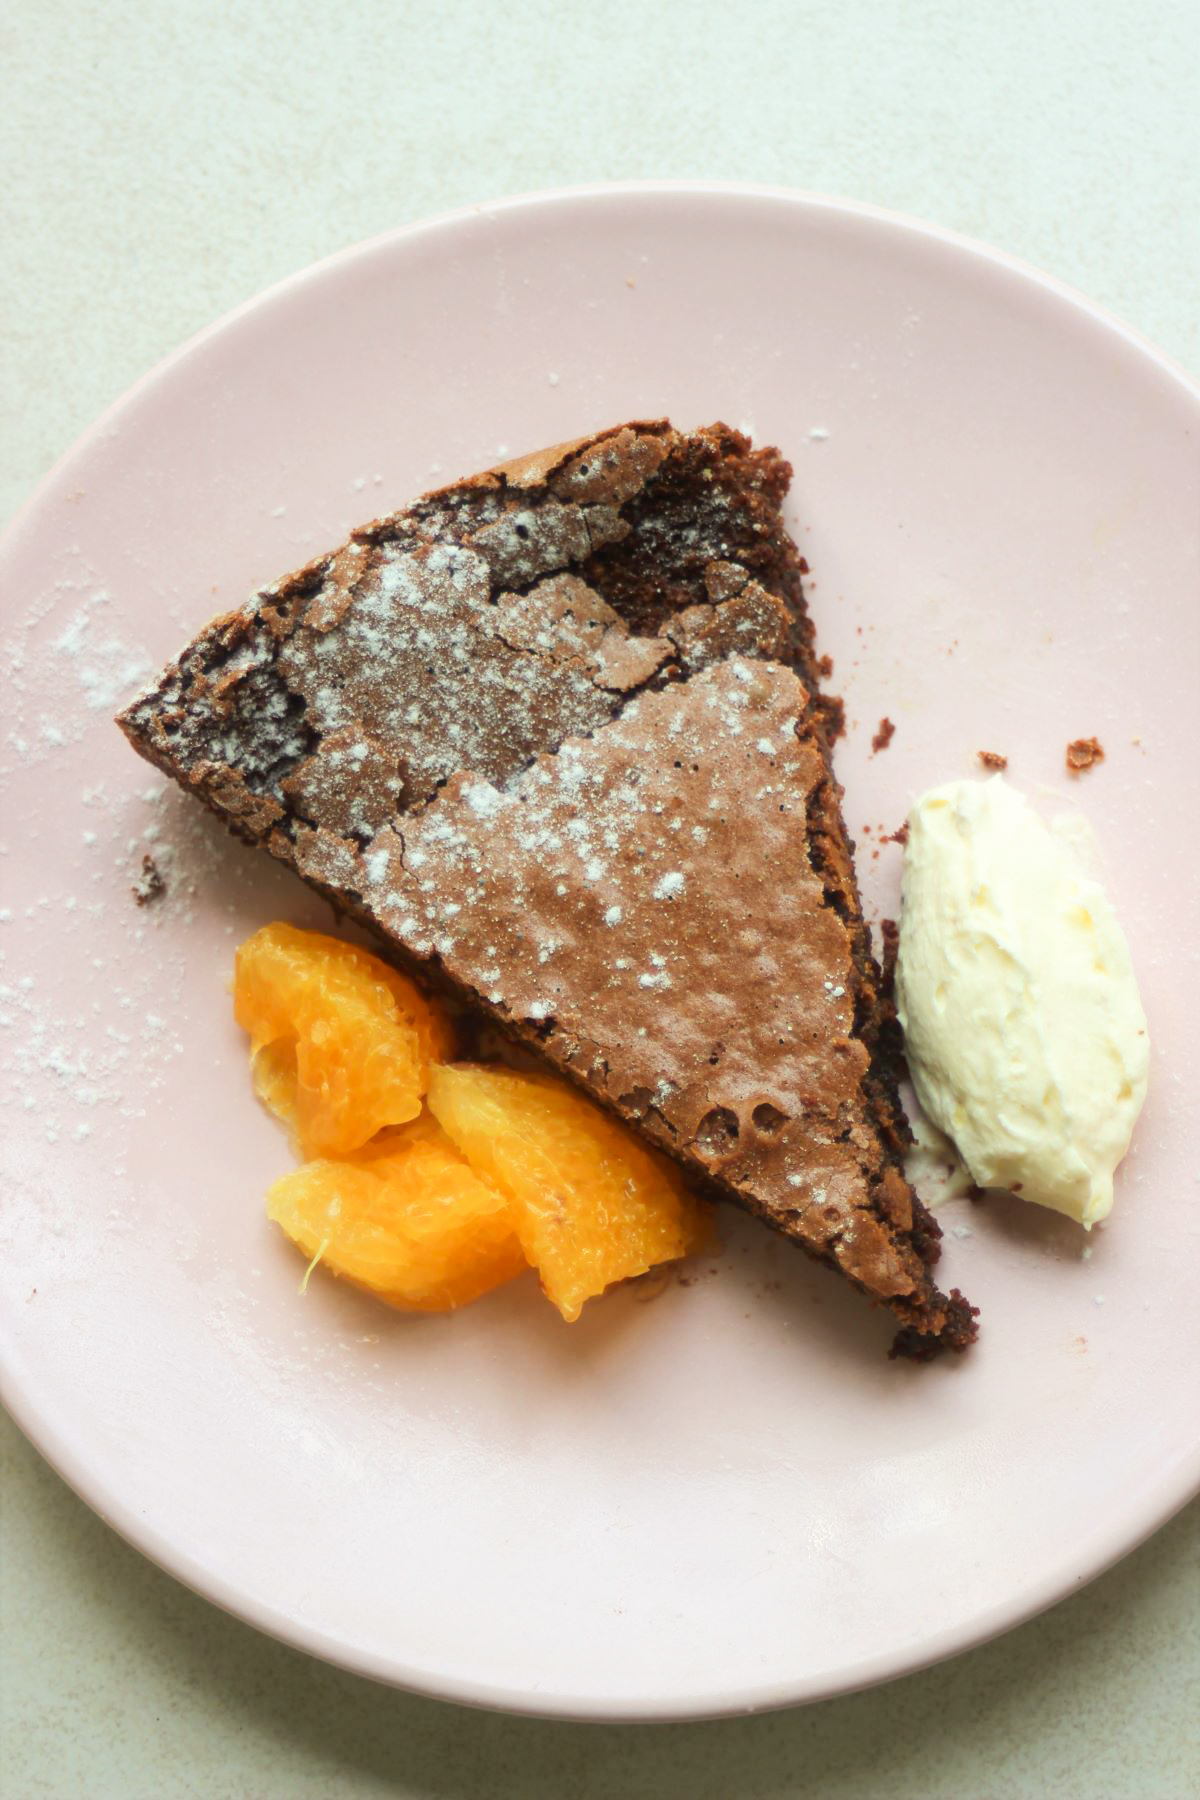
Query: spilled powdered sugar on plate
91	1037
65	662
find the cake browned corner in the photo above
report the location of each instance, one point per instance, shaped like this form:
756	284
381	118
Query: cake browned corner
555	735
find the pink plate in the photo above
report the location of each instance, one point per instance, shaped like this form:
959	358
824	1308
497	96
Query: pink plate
724	1496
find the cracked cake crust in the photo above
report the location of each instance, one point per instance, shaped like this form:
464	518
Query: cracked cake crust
555	734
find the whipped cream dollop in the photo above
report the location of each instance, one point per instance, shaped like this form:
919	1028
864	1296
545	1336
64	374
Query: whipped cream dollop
1023	1027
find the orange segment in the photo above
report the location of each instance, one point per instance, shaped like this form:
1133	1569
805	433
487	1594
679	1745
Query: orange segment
589	1204
273	1071
341	1042
407	1218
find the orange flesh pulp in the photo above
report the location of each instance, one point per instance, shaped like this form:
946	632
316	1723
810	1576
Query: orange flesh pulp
342	1043
589	1204
407	1218
430	1207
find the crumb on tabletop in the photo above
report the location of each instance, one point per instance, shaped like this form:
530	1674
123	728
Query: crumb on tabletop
883	736
992	759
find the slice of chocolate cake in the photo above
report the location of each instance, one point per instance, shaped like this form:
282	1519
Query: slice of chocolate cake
555	735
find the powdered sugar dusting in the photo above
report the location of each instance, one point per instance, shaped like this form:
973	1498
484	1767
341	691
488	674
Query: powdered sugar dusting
574	899
95	1032
67	659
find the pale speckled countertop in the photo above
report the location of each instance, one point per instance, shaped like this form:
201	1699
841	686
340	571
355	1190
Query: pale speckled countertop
164	162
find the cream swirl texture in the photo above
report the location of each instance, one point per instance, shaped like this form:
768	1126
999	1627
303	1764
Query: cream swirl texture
1023	1027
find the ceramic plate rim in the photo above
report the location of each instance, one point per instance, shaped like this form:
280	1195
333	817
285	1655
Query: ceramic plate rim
1104	1546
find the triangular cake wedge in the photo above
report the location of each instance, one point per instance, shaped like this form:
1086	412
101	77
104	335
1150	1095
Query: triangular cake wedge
555	735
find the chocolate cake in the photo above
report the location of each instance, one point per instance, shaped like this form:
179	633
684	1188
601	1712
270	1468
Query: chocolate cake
555	734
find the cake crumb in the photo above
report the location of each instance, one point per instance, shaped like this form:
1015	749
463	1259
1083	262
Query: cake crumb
883	736
992	759
1082	753
825	668
149	884
889	934
899	836
832	713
